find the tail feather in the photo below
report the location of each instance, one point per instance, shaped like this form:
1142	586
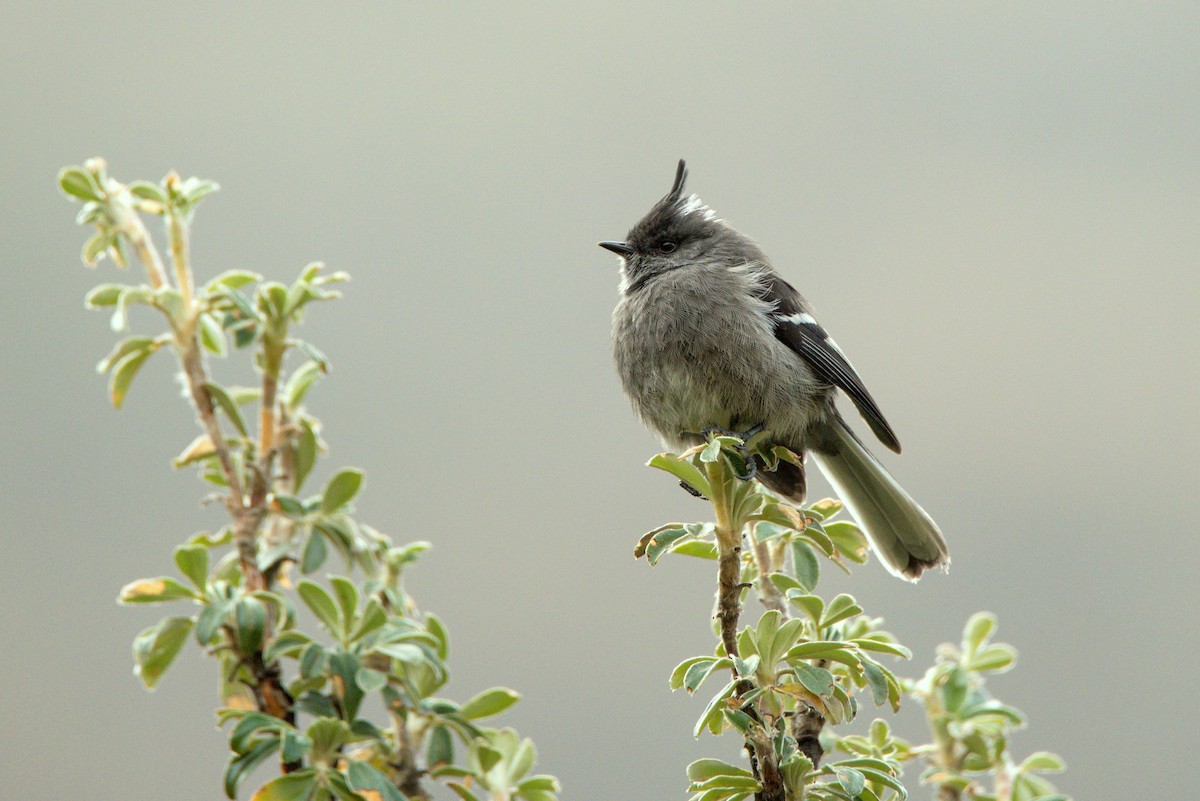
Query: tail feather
901	532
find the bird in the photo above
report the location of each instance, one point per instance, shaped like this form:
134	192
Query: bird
708	336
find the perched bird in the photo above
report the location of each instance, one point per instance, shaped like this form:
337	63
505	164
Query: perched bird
708	336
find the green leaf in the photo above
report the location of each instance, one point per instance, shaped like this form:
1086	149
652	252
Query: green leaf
697	548
212	335
286	643
156	647
711	715
441	747
145	190
977	631
192	561
322	605
872	643
306	452
489	703
876	680
817	681
364	777
841	607
314	553
661	542
851	780
1042	762
104	295
699	672
226	404
298	384
812	605
155	591
683	470
370	680
124	373
808	571
77	183
704	769
239	766
211	619
251	617
849	540
434	625
347	598
995	658
231	279
328	736
462	792
825	508
296	786
340	490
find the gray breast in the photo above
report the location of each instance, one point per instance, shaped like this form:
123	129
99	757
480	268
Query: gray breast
695	348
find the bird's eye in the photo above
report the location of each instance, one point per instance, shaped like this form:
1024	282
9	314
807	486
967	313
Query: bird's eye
666	246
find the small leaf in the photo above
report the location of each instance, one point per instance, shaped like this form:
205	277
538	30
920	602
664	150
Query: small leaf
104	295
148	191
212	336
226	404
211	619
995	658
1042	762
977	631
370	680
876	679
807	568
77	183
306	452
818	681
322	605
314	553
364	777
682	469
340	490
251	617
662	541
156	647
841	607
124	373
155	591
296	786
851	780
239	766
299	382
489	703
441	747
192	561
231	279
704	769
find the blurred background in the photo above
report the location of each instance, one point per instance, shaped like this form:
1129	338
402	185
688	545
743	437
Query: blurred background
993	207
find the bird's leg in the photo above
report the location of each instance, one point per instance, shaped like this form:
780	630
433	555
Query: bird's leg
743	451
695	493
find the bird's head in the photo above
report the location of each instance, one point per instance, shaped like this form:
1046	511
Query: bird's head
678	231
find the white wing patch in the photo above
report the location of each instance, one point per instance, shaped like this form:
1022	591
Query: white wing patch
800	318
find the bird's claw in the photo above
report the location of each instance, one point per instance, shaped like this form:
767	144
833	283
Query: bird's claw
743	451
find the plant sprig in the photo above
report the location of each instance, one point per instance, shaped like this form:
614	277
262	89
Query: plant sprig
293	695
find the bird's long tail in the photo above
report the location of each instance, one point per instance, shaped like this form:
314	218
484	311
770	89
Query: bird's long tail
901	532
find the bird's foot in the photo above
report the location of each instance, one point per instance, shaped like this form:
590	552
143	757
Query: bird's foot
695	493
750	462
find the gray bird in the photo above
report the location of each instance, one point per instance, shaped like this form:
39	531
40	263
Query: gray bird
708	336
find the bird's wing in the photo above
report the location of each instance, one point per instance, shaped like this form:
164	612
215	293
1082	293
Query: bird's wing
796	328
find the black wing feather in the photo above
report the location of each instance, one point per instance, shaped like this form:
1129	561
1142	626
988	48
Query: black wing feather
795	328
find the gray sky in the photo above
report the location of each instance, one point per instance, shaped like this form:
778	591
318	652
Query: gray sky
994	209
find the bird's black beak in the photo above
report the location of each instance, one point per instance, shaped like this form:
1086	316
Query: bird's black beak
620	248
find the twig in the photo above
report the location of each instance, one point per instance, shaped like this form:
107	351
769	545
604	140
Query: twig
729	611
